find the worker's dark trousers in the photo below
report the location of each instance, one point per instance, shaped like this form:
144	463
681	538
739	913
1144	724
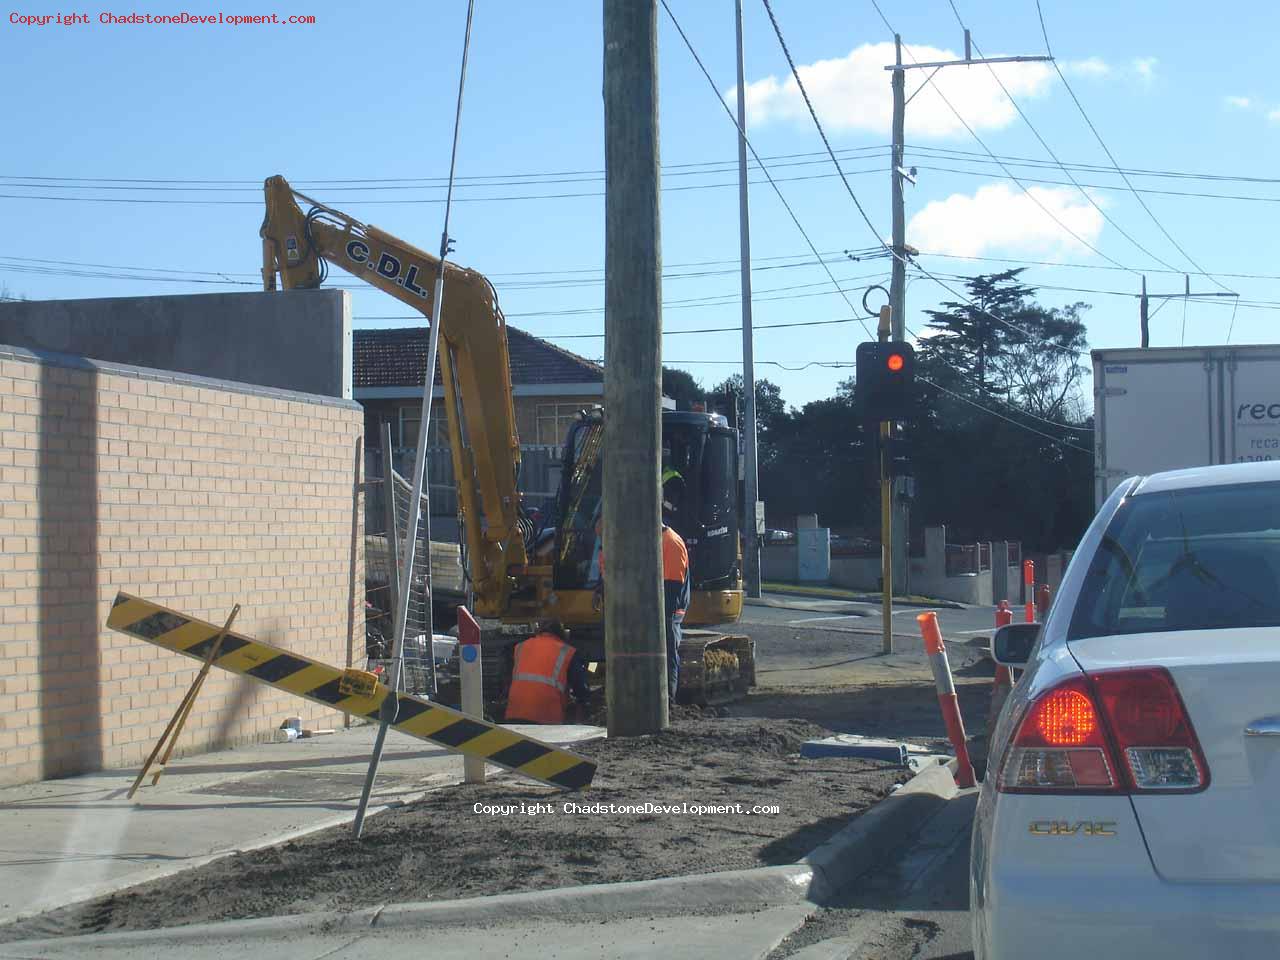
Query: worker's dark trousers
674	622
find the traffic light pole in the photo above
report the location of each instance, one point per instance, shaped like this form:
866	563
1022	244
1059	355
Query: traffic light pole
898	285
886	513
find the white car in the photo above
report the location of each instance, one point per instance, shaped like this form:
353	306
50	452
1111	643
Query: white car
1131	806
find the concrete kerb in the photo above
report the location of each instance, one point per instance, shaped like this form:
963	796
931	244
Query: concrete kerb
816	879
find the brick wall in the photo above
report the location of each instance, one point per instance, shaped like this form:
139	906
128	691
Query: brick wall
195	493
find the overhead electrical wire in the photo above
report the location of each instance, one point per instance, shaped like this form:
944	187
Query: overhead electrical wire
1110	156
746	140
677	169
795	73
1009	173
1049	150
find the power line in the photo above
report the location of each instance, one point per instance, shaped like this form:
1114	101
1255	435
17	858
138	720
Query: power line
1009	173
763	168
976	157
407	200
1048	149
1194	194
666	332
678	169
795	73
996	413
256	184
1110	156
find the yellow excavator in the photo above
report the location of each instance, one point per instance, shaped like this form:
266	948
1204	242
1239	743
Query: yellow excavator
521	571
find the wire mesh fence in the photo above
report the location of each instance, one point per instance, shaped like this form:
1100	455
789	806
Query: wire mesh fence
383	552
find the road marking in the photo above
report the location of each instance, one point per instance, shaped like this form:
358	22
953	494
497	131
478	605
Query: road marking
916	610
846	616
983	630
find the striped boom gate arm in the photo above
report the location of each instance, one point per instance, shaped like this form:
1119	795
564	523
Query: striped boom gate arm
322	683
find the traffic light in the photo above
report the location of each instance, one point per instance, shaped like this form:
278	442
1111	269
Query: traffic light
885	386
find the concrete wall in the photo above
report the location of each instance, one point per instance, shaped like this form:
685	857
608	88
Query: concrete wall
296	340
198	494
928	573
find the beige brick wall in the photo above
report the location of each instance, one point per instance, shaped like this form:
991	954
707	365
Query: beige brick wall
195	494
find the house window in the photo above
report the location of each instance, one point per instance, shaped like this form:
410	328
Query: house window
409	420
554	421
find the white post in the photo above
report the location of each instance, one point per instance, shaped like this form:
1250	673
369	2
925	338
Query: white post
471	666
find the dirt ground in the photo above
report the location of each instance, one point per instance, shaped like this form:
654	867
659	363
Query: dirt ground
441	848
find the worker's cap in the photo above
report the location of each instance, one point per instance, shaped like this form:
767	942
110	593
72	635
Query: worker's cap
667	507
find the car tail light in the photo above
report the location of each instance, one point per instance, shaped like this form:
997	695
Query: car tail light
1060	745
1152	730
1072	737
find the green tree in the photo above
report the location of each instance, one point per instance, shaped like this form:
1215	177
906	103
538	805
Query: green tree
1001	447
681	386
771	409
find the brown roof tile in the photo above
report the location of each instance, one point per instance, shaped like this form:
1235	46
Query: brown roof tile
398	358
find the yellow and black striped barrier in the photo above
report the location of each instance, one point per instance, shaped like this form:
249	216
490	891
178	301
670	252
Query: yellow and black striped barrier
325	684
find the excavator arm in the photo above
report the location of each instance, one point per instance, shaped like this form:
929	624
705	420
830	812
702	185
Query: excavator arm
474	365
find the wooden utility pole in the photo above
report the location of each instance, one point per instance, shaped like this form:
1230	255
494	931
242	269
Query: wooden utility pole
635	635
898	287
1143	317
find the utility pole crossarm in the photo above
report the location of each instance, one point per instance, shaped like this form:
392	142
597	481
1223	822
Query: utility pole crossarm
965	63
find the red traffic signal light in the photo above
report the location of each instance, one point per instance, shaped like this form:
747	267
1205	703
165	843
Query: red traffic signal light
885	381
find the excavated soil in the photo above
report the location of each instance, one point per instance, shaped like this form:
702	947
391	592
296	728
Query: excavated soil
470	841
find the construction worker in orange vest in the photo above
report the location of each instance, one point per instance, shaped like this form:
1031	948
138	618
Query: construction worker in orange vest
547	672
675	591
675	594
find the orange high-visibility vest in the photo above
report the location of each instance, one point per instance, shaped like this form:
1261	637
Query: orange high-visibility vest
540	681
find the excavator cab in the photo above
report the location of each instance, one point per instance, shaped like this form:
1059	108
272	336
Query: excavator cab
701	464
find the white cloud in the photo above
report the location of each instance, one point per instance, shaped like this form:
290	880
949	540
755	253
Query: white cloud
1274	116
1089	67
1145	68
1239	103
999	219
852	94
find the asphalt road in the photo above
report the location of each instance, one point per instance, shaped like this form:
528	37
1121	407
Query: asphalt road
825	663
916	905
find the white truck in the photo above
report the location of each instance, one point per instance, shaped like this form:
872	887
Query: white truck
1170	407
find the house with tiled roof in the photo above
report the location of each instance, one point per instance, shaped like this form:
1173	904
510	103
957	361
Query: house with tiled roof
549	386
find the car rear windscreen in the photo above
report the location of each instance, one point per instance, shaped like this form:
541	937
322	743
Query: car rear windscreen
1199	559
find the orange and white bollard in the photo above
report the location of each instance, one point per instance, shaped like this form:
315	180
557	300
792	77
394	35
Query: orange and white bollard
1029	580
947	699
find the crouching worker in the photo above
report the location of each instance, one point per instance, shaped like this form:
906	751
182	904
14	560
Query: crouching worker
547	672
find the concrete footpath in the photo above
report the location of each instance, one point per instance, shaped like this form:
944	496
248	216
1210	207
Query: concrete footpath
743	913
65	841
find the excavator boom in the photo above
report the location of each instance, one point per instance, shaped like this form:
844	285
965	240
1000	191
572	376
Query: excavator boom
476	381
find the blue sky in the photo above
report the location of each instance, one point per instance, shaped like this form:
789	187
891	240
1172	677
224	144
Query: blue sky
363	95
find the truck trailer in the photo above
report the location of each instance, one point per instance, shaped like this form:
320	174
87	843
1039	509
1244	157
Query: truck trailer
1170	407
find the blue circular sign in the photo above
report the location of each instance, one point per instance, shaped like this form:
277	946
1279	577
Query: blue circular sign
469	652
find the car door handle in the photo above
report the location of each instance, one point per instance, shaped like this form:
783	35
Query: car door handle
1263	727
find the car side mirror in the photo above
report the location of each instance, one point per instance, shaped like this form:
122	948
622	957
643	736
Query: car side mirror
1012	644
